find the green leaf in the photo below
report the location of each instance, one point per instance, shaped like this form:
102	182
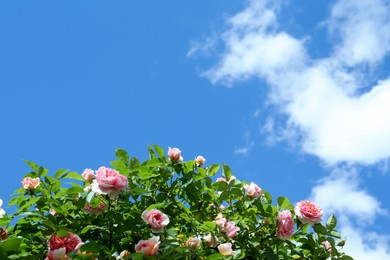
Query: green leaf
220	186
331	222
215	257
284	203
90	247
136	256
319	228
73	175
32	165
346	257
59	173
122	155
75	189
159	150
226	172
212	169
11	244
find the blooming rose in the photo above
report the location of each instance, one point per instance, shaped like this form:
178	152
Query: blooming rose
52	211
70	242
148	247
174	154
88	174
30	183
2	212
253	190
225	249
110	181
200	160
327	245
156	219
193	243
211	240
308	212
231	229
3	234
285	224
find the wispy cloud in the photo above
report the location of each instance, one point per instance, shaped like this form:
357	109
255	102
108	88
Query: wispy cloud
333	107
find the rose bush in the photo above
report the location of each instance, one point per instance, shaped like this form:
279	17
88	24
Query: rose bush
199	212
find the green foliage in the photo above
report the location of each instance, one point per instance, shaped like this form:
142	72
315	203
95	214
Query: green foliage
187	193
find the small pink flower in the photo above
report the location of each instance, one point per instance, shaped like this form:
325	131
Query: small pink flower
2	211
30	183
285	224
124	254
211	240
156	219
174	154
69	242
95	211
220	221
200	160
231	229
88	174
308	212
225	249
110	181
222	207
148	247
327	245
52	211
253	190
224	180
193	243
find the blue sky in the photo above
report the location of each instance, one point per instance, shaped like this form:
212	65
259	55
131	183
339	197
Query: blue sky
293	96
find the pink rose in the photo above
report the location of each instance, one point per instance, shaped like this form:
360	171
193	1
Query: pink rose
231	229
70	242
148	247
110	181
327	245
3	234
220	221
308	212
88	174
200	160
174	154
285	224
57	254
211	240
30	183
253	190
193	243
225	249
52	211
156	219
224	180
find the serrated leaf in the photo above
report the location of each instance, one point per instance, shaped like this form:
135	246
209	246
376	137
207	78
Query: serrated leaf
331	222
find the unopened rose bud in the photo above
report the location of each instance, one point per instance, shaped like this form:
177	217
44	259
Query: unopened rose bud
341	242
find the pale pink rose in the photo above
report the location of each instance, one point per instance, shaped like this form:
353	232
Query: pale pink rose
156	219
124	254
3	234
193	243
52	211
111	181
200	160
97	210
327	245
308	212
69	242
88	188
222	207
148	247
285	224
220	221
225	249
253	190
2	212
88	174
231	229
30	183
174	154
224	180
57	254
211	240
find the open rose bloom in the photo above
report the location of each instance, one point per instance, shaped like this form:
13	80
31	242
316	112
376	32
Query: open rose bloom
88	174
308	212
200	160
29	183
253	190
148	247
285	224
174	154
110	181
70	242
225	249
156	219
193	243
